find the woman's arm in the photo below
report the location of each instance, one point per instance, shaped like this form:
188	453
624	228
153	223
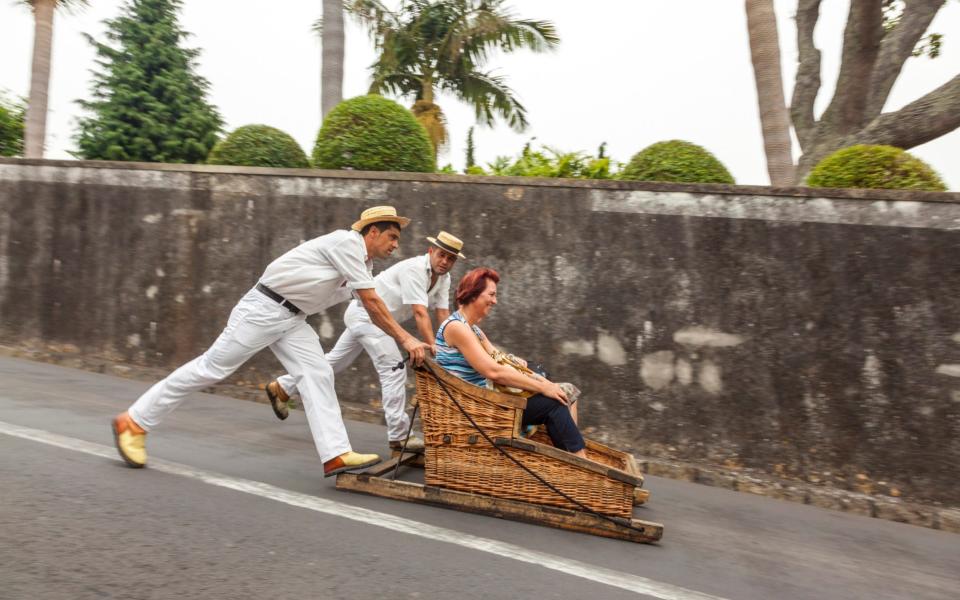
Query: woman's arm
463	339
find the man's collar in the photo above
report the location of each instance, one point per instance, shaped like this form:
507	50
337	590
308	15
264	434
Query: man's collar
366	256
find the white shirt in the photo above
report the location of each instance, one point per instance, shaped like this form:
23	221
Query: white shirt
405	284
321	272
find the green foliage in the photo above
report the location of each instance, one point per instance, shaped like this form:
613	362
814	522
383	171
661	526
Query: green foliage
148	103
675	161
550	162
12	115
447	169
259	146
475	170
427	45
881	167
372	133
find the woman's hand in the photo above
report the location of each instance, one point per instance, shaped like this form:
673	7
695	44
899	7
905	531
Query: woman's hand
517	360
553	390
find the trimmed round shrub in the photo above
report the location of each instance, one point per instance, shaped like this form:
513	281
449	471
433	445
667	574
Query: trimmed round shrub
882	167
675	161
372	133
259	146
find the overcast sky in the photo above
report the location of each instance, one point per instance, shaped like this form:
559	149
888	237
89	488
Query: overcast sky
628	72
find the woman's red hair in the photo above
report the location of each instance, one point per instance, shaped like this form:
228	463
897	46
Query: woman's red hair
473	283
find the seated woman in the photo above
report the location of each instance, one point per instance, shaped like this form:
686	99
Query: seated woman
464	351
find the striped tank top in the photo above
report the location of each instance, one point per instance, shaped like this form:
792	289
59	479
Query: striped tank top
452	360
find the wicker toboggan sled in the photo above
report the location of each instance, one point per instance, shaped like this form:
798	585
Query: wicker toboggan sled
470	471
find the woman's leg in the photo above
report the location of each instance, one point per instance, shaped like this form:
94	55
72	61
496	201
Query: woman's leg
561	427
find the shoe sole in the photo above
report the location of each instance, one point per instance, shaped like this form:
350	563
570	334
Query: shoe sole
409	450
275	405
352	468
116	442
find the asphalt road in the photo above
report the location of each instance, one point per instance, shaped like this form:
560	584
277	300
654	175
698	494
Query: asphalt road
235	506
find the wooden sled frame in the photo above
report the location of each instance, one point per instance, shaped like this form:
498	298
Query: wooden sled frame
454	443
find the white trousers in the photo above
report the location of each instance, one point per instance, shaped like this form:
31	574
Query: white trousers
255	323
362	334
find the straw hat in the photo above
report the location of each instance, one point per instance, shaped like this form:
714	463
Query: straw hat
378	214
450	243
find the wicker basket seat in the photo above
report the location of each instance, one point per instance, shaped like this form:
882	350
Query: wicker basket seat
458	457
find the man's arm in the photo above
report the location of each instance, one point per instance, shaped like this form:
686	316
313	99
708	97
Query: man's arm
424	324
382	318
442	315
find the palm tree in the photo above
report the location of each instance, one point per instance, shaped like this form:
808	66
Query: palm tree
331	65
774	117
427	46
36	122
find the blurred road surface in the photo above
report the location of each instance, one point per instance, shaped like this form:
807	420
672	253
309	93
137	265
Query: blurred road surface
235	506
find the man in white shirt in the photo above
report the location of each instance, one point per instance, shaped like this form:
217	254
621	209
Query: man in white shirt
309	278
409	288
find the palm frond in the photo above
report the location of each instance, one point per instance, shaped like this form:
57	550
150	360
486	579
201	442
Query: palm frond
490	97
398	84
481	31
375	17
71	6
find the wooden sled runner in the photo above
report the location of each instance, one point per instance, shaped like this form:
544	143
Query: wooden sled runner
465	471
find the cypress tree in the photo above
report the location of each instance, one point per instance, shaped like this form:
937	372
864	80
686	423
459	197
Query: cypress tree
148	103
471	161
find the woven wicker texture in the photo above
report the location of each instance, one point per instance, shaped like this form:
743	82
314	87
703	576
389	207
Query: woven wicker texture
482	469
442	418
595	451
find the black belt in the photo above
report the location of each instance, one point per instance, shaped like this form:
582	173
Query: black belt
278	298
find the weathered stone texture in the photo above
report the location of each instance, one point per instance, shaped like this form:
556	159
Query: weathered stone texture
813	338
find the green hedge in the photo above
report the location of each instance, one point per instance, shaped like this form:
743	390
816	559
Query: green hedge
372	133
882	167
675	161
259	146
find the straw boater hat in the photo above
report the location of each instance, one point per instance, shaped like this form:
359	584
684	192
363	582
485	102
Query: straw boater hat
450	243
378	214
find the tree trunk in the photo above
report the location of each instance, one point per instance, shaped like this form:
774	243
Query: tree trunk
774	118
871	62
36	121
331	67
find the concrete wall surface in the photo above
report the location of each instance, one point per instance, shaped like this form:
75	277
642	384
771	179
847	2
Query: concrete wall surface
812	337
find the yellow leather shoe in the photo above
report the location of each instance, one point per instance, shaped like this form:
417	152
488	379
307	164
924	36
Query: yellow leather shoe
349	461
278	399
130	439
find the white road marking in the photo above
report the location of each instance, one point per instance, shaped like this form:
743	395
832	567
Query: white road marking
617	579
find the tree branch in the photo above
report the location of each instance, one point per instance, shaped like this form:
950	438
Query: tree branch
861	44
922	120
807	82
896	48
774	121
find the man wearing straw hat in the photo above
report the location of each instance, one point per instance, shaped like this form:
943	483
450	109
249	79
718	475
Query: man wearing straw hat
307	279
409	288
